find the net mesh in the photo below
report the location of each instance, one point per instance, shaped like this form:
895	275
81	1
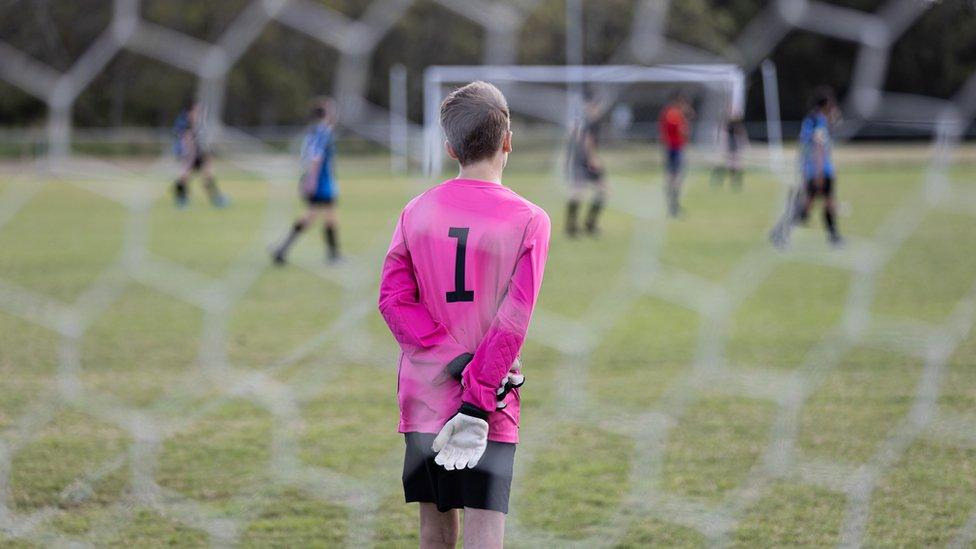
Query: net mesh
574	339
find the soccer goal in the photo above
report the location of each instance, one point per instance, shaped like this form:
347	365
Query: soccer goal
546	91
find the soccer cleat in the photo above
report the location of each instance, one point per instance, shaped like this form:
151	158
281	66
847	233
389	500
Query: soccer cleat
220	201
277	253
779	238
835	240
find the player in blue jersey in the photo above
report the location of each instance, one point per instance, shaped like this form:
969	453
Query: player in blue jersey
189	148
817	164
318	186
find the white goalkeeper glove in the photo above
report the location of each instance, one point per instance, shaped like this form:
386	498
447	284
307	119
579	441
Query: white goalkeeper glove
463	439
512	380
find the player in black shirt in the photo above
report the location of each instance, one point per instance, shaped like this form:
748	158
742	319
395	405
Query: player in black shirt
585	170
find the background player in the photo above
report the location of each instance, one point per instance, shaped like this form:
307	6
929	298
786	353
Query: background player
733	139
318	186
818	166
585	169
674	126
193	157
459	284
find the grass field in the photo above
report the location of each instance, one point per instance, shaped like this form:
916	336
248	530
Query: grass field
162	384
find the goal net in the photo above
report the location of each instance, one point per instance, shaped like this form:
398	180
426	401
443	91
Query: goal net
571	342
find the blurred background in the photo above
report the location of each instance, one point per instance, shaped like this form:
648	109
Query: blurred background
688	383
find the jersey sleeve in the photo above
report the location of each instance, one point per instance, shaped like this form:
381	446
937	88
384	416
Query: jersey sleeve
504	338
315	144
423	339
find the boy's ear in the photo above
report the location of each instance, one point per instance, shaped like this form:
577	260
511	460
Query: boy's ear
450	150
507	142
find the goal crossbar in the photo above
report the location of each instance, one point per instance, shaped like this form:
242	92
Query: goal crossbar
728	78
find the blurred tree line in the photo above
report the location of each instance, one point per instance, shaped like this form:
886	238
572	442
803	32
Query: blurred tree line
272	81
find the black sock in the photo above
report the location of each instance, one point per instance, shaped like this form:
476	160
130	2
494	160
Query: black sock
332	240
829	221
179	190
572	208
594	213
211	185
296	229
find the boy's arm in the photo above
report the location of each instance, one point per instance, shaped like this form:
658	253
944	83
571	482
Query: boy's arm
423	339
504	338
815	150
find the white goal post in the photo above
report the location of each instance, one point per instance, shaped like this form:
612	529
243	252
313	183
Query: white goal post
725	79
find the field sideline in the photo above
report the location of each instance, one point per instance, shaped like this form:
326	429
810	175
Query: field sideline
162	384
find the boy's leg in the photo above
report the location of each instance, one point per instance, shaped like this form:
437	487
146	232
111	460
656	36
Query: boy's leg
805	202
210	183
483	529
718	175
830	220
281	251
572	211
180	196
735	176
673	187
599	197
438	530
331	232
674	194
179	192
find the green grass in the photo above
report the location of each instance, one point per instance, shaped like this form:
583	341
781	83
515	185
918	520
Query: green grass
792	516
857	405
328	414
712	449
598	482
119	336
925	499
28	364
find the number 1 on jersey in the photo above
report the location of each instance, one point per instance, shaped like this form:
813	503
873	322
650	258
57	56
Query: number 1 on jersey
459	293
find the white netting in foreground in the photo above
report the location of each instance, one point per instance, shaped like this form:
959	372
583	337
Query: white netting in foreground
574	339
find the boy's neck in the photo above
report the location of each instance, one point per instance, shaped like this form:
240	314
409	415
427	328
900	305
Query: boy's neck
483	170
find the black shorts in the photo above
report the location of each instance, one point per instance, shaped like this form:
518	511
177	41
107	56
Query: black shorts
827	189
583	173
487	486
673	161
199	160
320	200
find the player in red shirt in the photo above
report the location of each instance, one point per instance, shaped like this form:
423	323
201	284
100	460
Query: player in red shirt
674	130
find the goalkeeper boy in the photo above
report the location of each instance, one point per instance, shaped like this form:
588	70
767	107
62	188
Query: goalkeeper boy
458	288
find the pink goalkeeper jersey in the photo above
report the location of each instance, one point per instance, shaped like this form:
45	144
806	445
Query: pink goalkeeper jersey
462	276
